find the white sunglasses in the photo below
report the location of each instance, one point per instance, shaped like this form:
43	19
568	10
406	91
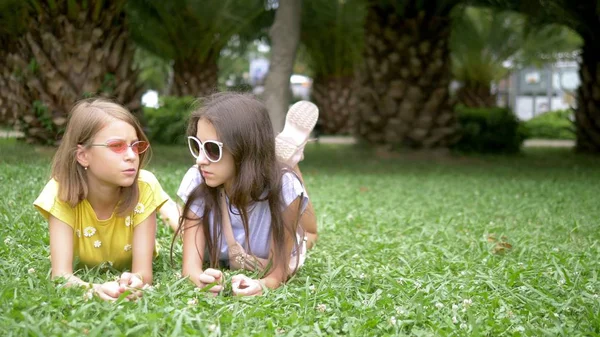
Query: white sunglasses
212	149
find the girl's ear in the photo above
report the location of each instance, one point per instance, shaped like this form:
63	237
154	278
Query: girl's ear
82	156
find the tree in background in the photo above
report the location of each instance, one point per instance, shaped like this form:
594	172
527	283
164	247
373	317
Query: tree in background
404	88
583	16
483	39
156	73
193	34
332	34
285	36
69	50
14	94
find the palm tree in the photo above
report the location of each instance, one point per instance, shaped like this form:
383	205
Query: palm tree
332	34
405	99
193	34
583	16
483	39
66	51
13	92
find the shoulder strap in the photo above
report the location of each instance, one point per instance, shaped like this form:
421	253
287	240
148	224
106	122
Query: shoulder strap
285	170
227	230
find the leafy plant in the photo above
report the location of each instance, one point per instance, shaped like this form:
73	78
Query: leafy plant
489	130
167	124
556	124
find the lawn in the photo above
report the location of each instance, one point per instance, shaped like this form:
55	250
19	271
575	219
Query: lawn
409	245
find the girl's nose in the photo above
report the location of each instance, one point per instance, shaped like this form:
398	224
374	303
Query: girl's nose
129	154
202	160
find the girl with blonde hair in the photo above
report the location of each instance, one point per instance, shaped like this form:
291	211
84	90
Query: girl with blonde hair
100	205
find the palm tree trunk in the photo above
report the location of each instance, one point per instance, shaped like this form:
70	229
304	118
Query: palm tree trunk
405	100
192	78
73	57
587	114
337	102
476	96
10	91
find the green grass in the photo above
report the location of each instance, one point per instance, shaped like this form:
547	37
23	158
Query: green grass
404	249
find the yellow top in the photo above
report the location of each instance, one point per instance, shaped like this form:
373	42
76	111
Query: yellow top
103	241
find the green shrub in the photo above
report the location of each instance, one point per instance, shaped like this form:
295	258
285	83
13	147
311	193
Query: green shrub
552	125
168	123
489	130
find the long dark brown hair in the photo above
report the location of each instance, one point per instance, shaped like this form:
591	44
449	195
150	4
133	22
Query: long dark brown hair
243	126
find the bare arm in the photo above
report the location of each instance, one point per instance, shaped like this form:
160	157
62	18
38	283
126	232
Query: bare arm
194	244
61	261
144	236
279	275
61	252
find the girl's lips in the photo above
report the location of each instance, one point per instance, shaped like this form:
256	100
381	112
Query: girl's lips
130	172
205	174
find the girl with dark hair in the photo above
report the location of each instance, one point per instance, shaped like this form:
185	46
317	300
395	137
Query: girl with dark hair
245	203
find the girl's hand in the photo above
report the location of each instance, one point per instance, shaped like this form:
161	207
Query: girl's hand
108	291
242	285
133	282
209	276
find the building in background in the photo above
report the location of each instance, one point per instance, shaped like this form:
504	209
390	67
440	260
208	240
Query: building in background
533	91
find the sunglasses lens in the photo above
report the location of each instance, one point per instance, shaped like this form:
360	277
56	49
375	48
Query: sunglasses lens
213	151
140	147
118	146
194	146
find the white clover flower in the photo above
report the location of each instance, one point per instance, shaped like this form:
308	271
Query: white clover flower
8	240
467	302
89	231
31	271
139	208
393	320
439	305
400	311
463	326
361	276
312	287
128	221
97	243
454	307
321	307
88	295
193	301
279	331
454	319
127	247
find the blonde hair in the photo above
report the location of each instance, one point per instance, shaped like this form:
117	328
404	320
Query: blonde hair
86	119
